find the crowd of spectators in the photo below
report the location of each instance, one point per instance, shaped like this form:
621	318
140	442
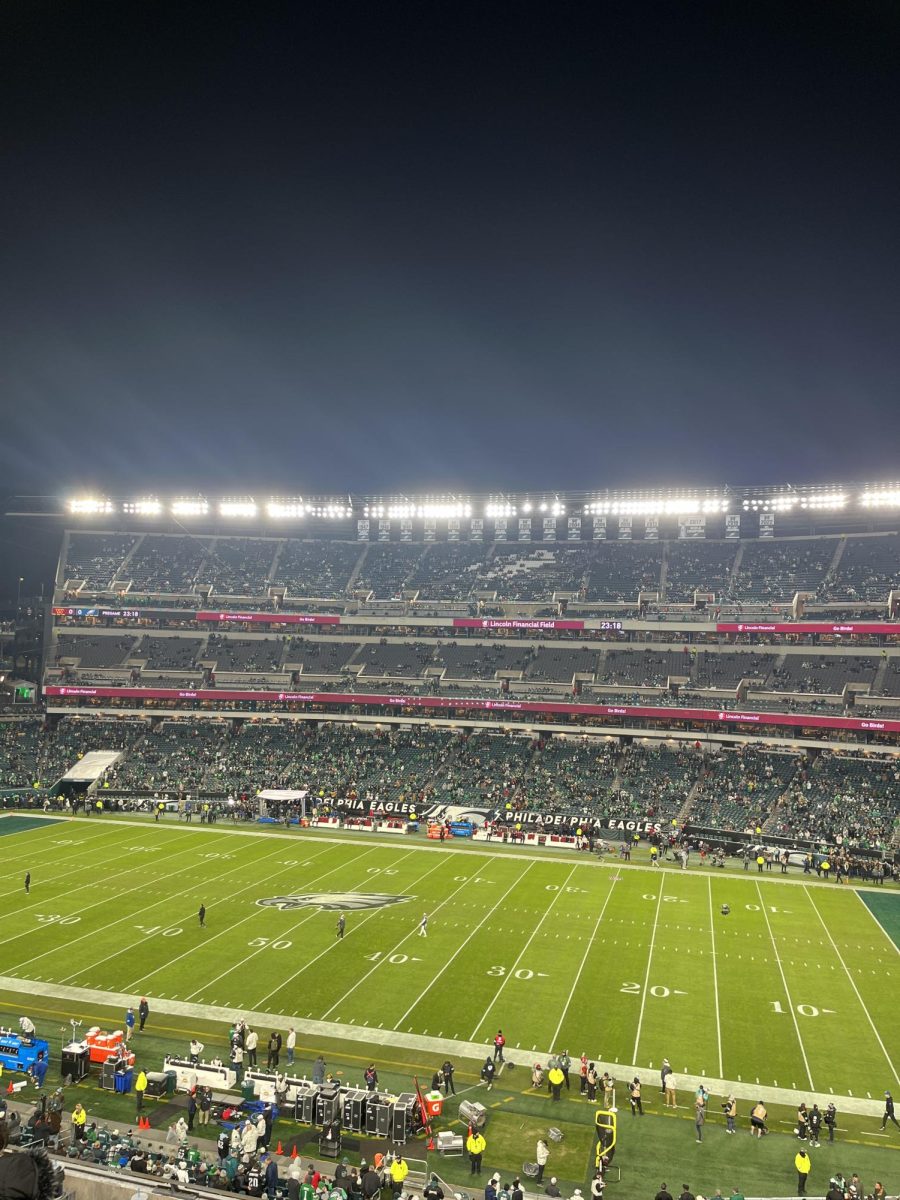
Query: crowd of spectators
656	781
320	569
620	570
161	563
386	568
84	650
698	566
94	558
869	569
739	788
240	655
238	566
843	801
833	796
570	773
823	674
770	571
534	574
174	756
773	570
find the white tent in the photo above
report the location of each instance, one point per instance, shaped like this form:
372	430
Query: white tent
284	796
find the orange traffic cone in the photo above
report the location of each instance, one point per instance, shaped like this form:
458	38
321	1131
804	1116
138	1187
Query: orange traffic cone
10	1089
278	1149
294	1150
430	1145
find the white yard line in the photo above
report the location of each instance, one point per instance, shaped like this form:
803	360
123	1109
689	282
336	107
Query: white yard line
855	989
335	942
515	883
637	1036
712	930
787	992
887	937
308	916
563	855
429	1046
195	887
511	972
141	982
584	959
81	909
387	954
48	844
147	937
41	882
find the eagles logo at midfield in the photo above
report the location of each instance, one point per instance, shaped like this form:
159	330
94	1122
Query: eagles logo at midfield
334	901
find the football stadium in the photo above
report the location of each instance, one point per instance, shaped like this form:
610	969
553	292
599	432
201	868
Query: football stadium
507	838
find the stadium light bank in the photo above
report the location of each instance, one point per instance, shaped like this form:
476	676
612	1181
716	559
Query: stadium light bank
644	502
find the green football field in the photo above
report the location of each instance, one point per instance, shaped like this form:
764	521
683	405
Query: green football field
795	988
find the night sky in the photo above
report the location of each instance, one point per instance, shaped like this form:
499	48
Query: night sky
333	247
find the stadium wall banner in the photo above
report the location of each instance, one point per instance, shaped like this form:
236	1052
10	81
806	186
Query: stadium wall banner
476	530
766	525
524	529
400	808
406	530
691	527
732	526
500	529
513	623
836	629
710	716
428	811
651	529
587	821
279	618
362	531
845	629
430	530
574	528
624	529
599	529
453	529
549	529
384	531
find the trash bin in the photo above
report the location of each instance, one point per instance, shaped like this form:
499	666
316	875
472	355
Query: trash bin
124	1080
247	1090
171	1081
434	1104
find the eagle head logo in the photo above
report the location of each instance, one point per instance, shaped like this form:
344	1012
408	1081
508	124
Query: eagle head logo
334	901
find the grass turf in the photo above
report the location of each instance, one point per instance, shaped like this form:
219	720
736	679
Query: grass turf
795	987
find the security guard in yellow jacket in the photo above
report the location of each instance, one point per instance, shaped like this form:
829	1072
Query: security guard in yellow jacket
398	1171
475	1146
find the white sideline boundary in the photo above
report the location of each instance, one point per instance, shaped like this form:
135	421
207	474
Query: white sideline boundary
884	933
856	990
430	1046
563	852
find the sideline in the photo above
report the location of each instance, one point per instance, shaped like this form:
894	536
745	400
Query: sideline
444	1047
563	854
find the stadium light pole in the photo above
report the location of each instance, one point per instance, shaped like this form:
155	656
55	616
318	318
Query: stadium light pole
19	583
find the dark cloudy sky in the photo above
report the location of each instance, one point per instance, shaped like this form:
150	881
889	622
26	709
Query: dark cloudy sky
345	246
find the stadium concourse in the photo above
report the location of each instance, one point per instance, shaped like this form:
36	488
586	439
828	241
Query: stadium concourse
724	685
